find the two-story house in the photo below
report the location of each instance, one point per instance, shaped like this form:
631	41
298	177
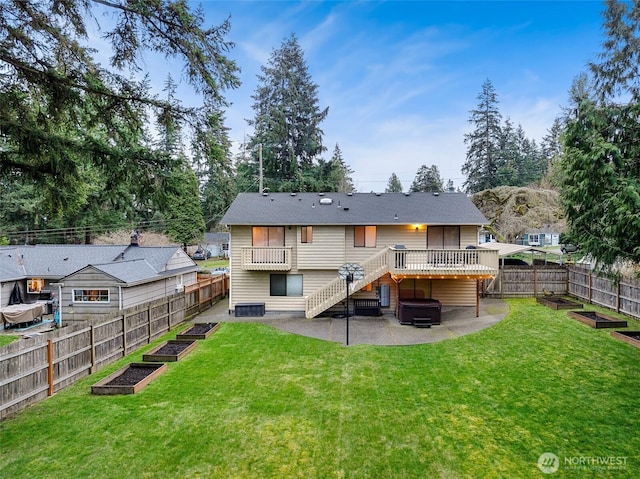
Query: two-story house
286	249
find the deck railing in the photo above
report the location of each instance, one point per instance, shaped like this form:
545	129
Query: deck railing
443	262
266	258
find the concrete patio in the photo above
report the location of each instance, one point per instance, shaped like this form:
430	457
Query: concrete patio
383	330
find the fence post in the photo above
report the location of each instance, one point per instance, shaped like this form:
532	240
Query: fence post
590	286
50	368
93	350
124	334
618	298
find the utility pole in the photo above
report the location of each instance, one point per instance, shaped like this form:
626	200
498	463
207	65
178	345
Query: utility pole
260	162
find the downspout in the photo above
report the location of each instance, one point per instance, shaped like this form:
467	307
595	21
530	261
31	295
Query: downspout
230	253
60	304
119	298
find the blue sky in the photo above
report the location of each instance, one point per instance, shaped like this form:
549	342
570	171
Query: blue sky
400	78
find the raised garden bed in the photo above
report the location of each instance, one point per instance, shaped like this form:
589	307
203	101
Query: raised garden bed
129	379
631	337
170	351
557	302
597	320
199	331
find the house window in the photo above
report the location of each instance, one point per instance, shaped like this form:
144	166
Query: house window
265	237
90	295
443	237
307	234
268	236
364	236
285	285
35	285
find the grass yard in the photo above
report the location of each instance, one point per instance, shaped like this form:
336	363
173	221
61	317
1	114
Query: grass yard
7	339
255	402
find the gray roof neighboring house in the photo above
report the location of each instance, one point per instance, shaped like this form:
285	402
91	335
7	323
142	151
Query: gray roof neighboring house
58	261
352	209
216	238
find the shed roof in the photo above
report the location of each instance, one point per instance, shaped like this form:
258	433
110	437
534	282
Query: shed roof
352	209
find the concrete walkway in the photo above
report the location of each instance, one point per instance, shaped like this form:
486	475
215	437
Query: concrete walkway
383	330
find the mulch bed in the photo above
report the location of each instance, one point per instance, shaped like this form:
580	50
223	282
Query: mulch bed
201	328
132	376
199	331
173	348
597	320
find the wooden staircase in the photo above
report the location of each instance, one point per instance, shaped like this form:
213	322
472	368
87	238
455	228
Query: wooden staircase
335	291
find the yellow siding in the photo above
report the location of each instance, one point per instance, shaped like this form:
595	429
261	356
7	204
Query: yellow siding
452	292
468	236
326	250
333	246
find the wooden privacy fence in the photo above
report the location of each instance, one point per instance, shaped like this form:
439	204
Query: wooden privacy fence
623	297
524	281
33	368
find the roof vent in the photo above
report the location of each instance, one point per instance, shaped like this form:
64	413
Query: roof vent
326	201
292	194
407	194
435	193
349	194
346	208
378	194
320	194
265	194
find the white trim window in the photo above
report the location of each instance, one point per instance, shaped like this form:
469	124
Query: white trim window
91	296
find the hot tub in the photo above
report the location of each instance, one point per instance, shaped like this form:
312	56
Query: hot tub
409	309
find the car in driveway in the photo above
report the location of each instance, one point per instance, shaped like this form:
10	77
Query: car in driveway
569	248
199	256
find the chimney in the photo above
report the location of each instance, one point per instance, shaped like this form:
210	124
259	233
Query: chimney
134	239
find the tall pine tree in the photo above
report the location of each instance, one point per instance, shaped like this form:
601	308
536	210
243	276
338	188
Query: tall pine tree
601	162
393	185
483	143
427	180
287	119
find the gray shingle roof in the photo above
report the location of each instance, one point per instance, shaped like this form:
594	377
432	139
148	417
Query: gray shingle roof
355	209
58	261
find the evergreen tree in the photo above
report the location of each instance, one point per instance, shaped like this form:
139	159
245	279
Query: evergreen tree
393	185
287	119
212	158
67	121
483	150
616	73
509	156
339	173
601	182
179	204
427	179
552	152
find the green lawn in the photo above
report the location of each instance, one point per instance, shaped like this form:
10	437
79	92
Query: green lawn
255	402
7	339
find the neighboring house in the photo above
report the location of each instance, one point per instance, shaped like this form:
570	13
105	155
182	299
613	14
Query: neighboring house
217	244
94	279
286	249
540	237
